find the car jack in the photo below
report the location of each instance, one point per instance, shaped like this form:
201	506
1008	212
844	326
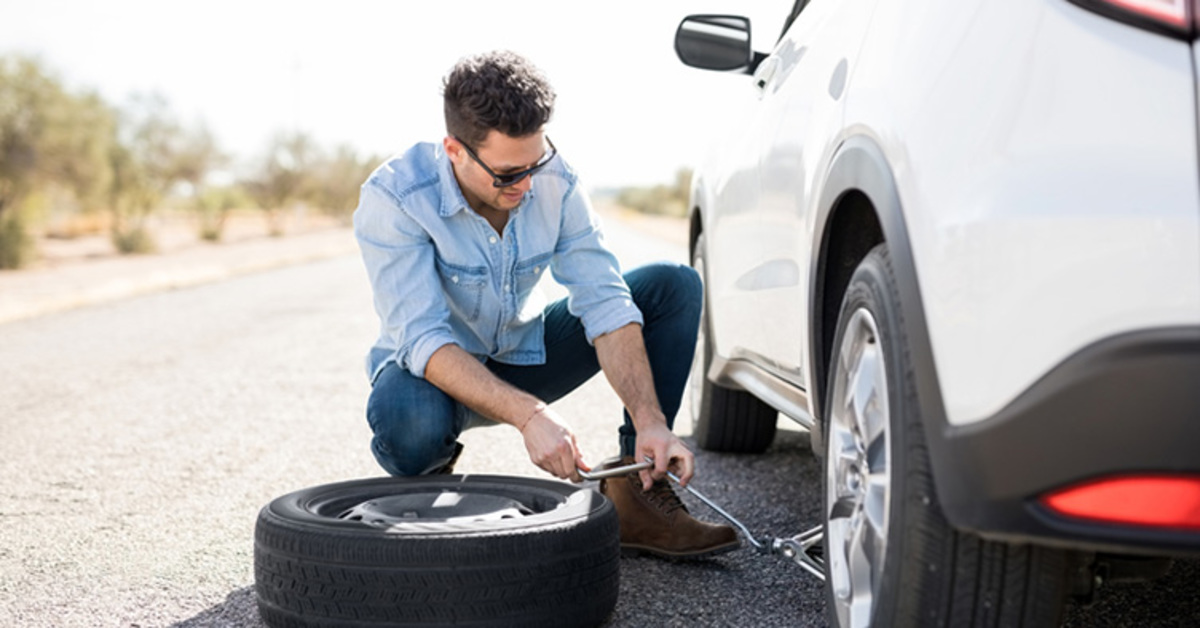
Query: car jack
806	548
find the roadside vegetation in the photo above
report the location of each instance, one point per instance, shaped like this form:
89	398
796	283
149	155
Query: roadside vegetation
72	164
661	200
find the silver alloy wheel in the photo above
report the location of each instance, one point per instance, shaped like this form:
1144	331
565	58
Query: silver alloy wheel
858	472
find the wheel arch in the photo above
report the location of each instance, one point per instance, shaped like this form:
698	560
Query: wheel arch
850	231
860	207
695	228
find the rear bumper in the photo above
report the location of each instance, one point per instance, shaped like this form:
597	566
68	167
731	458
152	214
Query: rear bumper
1128	404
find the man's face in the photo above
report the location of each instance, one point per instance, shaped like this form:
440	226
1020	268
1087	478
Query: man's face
504	155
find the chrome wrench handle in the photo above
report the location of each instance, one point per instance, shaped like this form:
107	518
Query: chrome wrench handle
615	471
758	545
799	548
648	463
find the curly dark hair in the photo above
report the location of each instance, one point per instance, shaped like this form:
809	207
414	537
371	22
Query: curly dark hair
495	90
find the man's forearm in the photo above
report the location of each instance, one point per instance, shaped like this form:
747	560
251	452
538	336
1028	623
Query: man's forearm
622	356
550	443
458	374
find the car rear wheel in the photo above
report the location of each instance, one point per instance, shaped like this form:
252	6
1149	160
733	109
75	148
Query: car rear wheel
724	419
437	550
891	557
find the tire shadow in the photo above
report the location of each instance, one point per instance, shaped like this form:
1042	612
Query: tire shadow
240	610
776	493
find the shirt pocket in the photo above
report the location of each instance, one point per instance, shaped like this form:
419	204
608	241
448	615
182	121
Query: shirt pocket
463	286
529	271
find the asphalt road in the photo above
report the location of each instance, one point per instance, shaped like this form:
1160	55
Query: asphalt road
138	441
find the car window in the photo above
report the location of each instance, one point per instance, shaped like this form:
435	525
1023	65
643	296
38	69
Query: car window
796	9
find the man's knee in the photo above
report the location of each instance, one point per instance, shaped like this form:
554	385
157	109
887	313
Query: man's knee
666	284
413	422
410	449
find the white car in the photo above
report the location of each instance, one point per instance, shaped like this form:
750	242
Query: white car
960	241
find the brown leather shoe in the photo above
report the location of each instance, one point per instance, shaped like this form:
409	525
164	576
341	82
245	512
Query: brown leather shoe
656	521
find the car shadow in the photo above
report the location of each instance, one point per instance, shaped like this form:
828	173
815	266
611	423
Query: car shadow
775	493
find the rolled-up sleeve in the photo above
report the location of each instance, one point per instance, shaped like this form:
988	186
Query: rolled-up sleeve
597	294
399	256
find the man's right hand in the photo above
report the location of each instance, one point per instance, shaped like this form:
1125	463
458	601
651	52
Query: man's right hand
551	445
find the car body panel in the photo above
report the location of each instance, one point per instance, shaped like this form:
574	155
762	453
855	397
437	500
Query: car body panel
1033	169
1057	206
758	287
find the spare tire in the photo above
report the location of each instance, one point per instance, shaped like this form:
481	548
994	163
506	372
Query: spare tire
438	550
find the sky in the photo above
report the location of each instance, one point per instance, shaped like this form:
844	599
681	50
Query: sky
368	72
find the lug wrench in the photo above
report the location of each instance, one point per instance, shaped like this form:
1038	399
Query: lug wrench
804	548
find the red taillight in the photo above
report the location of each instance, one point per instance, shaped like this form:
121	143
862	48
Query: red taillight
1161	501
1174	13
1179	18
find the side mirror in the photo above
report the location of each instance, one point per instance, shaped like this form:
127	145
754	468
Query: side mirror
715	42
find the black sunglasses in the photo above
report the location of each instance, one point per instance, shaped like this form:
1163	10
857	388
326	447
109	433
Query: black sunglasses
511	178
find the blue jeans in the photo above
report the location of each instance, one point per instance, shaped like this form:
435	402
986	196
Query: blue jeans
416	425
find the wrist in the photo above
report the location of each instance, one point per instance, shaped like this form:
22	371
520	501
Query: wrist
538	408
648	417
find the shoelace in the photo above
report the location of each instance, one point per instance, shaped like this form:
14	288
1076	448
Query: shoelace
660	494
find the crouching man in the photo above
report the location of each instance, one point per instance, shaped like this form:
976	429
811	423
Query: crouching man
455	237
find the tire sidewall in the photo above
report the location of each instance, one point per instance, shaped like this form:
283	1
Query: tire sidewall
872	287
314	569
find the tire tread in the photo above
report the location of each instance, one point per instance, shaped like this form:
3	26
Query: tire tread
737	422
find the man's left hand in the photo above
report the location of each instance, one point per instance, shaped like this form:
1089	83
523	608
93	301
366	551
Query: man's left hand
659	443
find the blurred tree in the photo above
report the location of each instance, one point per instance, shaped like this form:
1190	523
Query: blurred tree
145	162
284	175
48	138
338	179
214	205
196	155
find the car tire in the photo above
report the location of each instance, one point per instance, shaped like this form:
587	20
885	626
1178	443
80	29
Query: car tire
724	419
437	550
891	559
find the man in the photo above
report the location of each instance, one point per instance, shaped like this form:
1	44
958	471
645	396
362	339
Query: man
455	236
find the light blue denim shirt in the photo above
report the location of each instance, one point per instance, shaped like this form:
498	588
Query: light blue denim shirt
441	274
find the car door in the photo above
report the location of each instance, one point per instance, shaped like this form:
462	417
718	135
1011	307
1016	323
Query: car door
802	89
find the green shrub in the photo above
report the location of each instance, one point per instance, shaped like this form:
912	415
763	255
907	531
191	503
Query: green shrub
16	247
133	241
213	206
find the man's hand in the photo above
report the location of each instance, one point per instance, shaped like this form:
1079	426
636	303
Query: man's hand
657	441
551	445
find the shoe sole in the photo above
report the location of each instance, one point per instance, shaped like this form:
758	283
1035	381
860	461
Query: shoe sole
634	551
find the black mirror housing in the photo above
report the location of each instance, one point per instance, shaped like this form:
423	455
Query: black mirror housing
715	42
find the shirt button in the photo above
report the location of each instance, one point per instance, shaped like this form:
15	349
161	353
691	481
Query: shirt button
492	240
454	279
506	287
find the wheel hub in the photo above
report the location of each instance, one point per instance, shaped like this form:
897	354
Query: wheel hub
858	472
427	507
